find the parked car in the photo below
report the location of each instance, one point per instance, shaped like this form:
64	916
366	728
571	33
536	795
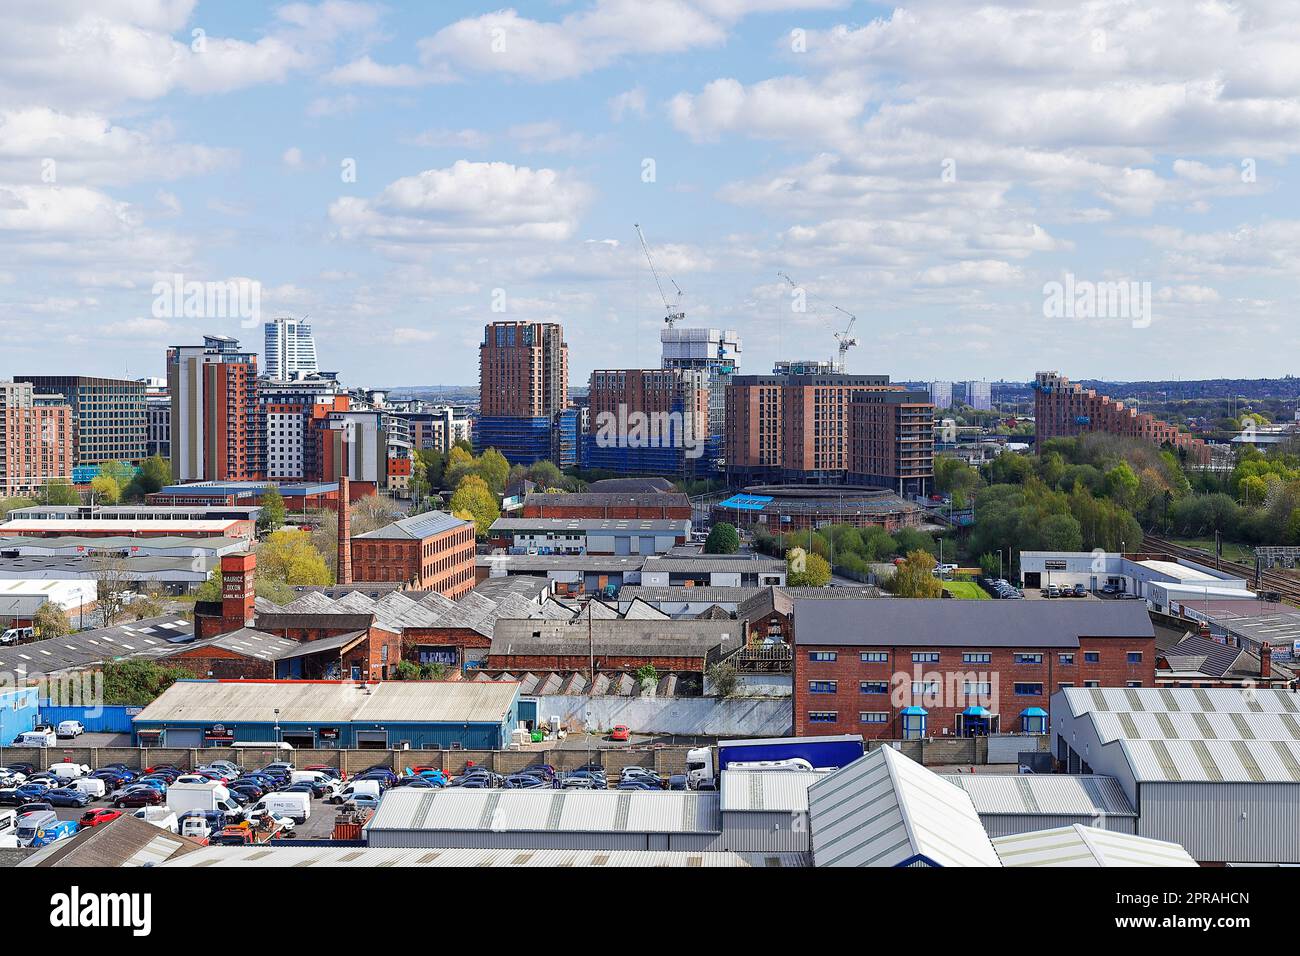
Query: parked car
1080	591
69	728
93	818
524	781
578	783
140	797
362	801
620	732
68	797
635	784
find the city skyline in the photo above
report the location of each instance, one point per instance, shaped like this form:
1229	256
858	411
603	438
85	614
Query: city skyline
950	174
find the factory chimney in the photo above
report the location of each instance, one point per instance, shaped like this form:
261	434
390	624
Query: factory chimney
344	562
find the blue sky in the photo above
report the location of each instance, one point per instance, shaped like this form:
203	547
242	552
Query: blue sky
928	167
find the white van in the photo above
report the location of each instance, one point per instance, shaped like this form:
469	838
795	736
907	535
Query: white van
93	787
14	635
69	728
8	829
295	806
162	817
368	787
68	771
37	738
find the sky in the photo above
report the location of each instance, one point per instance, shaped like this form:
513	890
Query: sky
402	173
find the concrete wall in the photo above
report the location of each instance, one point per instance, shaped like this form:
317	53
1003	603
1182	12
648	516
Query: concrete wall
704	716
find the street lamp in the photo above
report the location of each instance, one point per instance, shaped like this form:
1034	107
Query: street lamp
277	727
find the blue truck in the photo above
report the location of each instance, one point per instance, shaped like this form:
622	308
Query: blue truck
704	765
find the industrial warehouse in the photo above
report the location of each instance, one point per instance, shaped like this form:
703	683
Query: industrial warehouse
332	714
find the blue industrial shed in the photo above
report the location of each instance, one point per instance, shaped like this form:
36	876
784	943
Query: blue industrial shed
18	712
429	715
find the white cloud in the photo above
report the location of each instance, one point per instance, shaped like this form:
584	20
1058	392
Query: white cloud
366	72
467	202
779	108
628	103
292	157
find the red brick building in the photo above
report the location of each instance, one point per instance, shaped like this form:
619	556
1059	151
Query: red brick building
1064	409
218	429
431	551
896	668
598	505
684	648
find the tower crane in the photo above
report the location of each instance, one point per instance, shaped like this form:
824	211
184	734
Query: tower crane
843	339
671	317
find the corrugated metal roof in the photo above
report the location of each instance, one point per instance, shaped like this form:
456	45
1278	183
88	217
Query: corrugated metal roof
574	811
330	856
886	809
1046	794
316	701
1213	761
418	526
720	563
152	637
767	790
1196	726
1080	845
1172	700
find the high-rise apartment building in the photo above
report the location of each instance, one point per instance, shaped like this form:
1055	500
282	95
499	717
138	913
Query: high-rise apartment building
716	352
1063	409
218	431
523	383
648	421
35	439
108	415
290	350
941	394
289	409
979	396
158	418
827	428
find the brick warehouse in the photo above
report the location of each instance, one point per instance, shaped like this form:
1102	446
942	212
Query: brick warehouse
905	669
428	551
607	505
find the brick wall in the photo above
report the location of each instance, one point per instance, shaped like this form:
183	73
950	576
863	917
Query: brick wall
898	672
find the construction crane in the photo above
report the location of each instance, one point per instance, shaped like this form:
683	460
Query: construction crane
671	318
843	339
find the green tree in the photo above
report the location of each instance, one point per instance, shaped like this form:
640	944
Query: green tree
647	674
139	681
9	504
273	510
104	490
493	468
288	556
723	678
407	670
120	472
990	564
474	501
155	473
807	570
51	621
914	578
59	492
723	539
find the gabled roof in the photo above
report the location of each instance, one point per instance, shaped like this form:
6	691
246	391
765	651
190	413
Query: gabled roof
417	527
888	810
126	841
1080	845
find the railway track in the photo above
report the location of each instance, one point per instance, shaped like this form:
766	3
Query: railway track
1285	585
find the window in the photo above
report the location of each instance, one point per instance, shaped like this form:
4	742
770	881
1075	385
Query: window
928	657
874	657
822	656
914	726
980	689
1029	690
1092	683
874	687
922	687
1029	658
1133	683
977	658
1067	659
822	686
874	717
1135	657
823	716
1092	657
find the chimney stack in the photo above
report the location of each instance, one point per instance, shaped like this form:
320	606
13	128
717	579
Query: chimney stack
1265	661
344	574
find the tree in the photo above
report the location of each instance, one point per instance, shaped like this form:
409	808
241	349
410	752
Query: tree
154	474
990	564
113	586
209	590
273	510
51	621
723	678
9	504
288	556
474	501
647	675
104	490
139	681
369	513
59	492
121	473
807	570
407	670
914	578
149	605
723	539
